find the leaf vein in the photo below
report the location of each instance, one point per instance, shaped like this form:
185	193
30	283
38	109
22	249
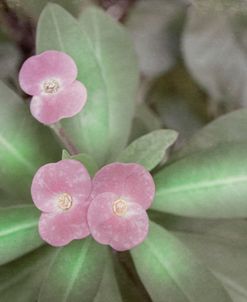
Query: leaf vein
206	185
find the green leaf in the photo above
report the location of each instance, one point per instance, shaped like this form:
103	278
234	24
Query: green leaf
145	121
21	279
150	149
85	159
206	33
155	27
179	102
75	273
18	231
233	6
237	296
148	117
223	249
130	286
232	230
185	224
108	289
65	154
33	8
229	128
106	65
169	270
25	145
6	200
220	244
209	184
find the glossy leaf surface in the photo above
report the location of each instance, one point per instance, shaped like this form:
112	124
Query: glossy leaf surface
18	231
107	66
168	269
209	184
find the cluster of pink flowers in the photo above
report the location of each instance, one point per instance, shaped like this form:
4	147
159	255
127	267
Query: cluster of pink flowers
111	206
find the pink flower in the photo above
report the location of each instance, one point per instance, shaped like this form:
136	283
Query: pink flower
51	79
116	215
61	191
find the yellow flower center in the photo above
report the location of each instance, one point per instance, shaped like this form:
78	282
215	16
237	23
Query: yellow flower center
65	201
120	207
51	86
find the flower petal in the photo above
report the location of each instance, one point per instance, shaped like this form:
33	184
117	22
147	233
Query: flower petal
66	176
120	232
131	181
49	109
48	65
58	229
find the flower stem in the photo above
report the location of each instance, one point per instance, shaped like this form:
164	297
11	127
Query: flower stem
63	138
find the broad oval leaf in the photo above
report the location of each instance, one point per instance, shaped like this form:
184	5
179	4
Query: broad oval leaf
107	66
223	250
75	273
108	289
209	184
229	128
20	280
171	273
154	26
18	231
150	149
25	145
207	33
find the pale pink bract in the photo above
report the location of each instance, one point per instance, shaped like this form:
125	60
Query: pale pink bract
116	215
61	191
50	78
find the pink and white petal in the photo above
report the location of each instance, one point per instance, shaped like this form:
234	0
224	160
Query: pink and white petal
111	178
48	65
66	176
49	109
139	185
58	229
131	181
120	232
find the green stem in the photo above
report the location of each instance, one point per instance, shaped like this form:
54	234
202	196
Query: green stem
63	138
